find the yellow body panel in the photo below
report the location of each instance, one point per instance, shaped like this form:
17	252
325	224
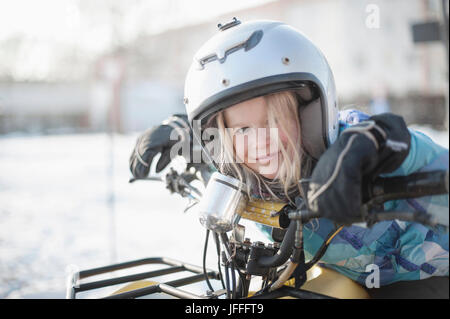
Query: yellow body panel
261	212
331	283
135	285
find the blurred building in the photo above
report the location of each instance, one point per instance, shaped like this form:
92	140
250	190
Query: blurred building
34	107
368	44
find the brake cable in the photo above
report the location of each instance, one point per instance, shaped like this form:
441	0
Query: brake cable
231	260
204	261
322	249
227	278
216	240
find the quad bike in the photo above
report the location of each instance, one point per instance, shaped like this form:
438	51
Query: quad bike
280	266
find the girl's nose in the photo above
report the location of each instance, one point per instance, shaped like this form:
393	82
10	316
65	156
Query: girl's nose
267	139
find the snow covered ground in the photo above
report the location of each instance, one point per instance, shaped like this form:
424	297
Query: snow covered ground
55	212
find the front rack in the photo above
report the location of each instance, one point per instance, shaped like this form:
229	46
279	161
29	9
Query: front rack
170	288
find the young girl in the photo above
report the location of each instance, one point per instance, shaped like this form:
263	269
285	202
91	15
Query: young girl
269	93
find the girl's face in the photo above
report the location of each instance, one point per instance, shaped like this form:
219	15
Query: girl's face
254	142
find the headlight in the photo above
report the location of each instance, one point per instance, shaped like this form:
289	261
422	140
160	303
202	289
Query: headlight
222	203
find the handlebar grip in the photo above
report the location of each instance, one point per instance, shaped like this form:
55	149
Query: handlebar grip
446	181
410	186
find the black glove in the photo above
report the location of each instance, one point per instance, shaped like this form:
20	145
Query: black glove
157	140
361	152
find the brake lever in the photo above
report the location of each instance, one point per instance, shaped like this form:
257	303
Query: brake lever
151	178
191	205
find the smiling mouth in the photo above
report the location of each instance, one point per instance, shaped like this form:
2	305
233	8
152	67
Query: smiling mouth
267	157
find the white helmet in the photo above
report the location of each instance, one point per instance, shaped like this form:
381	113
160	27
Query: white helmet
247	60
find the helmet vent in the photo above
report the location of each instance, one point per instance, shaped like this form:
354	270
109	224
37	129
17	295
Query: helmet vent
228	25
248	44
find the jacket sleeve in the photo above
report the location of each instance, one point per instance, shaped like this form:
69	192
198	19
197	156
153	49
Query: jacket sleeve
424	155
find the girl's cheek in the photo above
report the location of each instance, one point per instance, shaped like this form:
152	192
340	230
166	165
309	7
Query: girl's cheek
292	132
241	147
283	137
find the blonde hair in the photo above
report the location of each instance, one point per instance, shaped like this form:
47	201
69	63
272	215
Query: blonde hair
282	108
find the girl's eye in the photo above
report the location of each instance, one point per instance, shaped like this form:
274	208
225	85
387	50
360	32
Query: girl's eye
242	130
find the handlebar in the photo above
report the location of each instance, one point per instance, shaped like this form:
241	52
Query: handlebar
374	194
411	186
176	183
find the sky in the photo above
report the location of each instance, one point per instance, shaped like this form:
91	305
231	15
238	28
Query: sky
71	21
36	36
